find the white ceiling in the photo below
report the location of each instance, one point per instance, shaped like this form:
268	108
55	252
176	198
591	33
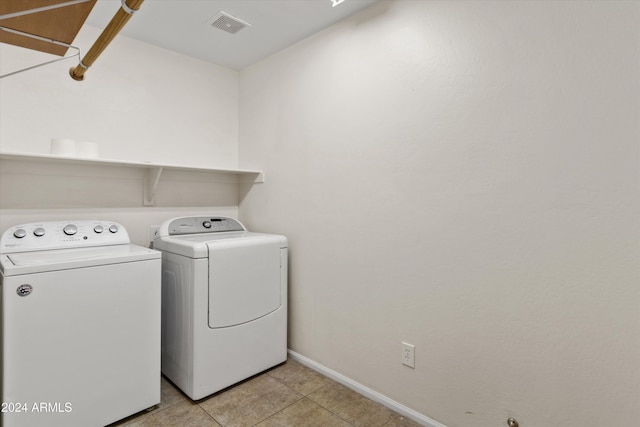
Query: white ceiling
181	25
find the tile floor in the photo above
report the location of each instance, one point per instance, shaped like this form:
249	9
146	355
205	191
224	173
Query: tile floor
288	395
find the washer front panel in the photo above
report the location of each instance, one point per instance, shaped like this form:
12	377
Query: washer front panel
88	338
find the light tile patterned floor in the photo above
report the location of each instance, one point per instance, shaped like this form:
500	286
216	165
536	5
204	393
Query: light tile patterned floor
288	395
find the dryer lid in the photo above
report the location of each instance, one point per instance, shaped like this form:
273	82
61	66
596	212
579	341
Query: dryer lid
197	245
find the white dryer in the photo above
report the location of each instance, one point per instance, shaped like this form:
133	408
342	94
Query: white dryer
224	302
80	322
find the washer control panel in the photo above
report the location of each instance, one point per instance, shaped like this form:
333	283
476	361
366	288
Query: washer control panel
194	225
62	234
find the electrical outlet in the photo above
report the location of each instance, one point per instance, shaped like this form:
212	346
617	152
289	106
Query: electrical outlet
409	355
153	231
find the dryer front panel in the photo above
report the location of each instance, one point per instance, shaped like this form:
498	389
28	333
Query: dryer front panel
244	280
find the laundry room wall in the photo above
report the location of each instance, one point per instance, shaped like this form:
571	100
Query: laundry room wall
138	103
462	176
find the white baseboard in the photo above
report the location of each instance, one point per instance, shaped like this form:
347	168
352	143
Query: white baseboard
366	391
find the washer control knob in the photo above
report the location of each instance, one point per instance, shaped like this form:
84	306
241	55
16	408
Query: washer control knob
38	232
70	229
206	224
19	233
113	228
98	229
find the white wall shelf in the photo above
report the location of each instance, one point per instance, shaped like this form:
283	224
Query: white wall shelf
153	171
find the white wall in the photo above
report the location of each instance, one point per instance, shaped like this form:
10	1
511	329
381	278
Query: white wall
462	176
138	102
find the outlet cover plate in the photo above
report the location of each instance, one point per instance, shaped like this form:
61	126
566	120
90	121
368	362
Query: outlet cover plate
409	355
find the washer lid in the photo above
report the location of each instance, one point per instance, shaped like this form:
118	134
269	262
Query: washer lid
13	264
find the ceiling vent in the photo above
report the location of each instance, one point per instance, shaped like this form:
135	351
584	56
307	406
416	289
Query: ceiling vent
225	22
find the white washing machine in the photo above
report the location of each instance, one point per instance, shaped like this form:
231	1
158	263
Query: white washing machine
80	321
224	302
